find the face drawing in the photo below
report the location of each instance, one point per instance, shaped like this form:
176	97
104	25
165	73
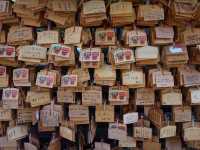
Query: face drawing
65	51
110	36
87	55
7	93
42	79
56	49
120	56
17	73
95	55
67	80
49	81
102	36
14	93
9	51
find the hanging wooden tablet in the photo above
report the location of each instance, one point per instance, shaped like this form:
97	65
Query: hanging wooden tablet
10	98
47	37
69	80
48	78
122	13
91	57
130	117
73	35
30	15
17	132
123	56
162	35
128	142
182	113
117	131
118	95
193	96
61	12
65	96
51	115
61	55
149	15
159	78
105	75
24	115
38	98
136	38
183	10
79	114
147	55
134	78
156	116
21	77
111	58
175	56
105	37
142	132
67	131
59	50
92	96
104	113
188	76
6	114
61	19
59	6
192	36
102	146
168	131
192	134
93	13
171	97
5	10
144	96
32	53
18	35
